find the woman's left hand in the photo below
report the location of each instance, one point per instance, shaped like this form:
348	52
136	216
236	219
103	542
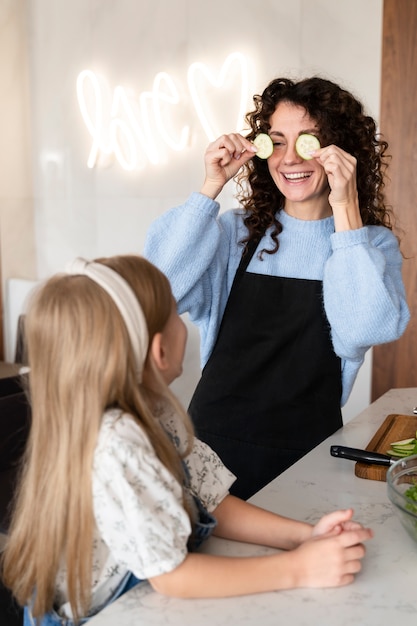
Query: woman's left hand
340	168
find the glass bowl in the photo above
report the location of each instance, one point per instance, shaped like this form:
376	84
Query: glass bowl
402	491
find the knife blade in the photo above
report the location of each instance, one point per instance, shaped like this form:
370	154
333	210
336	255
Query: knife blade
362	456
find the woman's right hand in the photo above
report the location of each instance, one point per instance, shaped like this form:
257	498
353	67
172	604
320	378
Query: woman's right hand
223	159
331	560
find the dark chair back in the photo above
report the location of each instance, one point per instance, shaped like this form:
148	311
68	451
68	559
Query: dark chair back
15	418
10	385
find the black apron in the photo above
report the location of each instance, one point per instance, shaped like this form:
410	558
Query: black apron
271	389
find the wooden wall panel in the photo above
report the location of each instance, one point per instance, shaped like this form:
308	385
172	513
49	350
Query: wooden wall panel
395	364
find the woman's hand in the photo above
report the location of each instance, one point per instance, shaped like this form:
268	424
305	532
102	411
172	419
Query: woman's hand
340	168
223	159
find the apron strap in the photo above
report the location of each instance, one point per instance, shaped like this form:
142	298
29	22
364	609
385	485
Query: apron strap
245	259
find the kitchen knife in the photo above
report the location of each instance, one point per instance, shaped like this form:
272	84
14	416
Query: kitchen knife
362	456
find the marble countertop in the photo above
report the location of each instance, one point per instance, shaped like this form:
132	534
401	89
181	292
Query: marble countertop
385	591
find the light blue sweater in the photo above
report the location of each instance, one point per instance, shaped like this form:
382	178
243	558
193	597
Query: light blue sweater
364	297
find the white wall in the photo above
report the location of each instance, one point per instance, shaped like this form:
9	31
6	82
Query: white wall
17	247
106	210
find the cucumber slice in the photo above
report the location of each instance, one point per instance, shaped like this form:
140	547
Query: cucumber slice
403	442
391	452
305	144
397	454
404	449
264	144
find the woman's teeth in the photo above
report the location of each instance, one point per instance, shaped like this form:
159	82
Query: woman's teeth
297	175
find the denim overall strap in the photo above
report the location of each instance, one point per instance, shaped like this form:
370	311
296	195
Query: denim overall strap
53	619
204	523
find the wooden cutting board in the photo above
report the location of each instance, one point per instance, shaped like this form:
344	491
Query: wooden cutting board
395	427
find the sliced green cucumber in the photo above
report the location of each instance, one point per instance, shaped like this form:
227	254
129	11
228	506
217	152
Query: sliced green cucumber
398	454
306	144
403	447
403	442
264	144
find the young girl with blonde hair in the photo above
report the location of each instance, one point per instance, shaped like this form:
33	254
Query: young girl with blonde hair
115	488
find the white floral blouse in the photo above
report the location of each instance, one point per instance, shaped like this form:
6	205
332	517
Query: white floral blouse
142	526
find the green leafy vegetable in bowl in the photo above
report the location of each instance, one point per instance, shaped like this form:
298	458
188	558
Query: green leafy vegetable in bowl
411	494
402	491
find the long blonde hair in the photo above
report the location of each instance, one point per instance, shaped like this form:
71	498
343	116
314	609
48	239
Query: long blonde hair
81	363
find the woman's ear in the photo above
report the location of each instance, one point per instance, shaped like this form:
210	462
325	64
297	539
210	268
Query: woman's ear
158	353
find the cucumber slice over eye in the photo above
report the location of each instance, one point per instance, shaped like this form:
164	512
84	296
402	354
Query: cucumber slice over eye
305	144
264	144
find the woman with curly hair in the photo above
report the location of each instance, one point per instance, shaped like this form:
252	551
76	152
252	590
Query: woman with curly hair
291	289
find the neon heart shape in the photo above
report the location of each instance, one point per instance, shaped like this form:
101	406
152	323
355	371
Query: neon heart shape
218	83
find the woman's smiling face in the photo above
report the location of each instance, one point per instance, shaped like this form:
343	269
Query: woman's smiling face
303	183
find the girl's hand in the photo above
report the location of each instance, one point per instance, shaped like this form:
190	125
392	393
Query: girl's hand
223	159
334	523
331	560
340	168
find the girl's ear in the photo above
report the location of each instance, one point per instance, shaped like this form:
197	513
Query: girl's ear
158	353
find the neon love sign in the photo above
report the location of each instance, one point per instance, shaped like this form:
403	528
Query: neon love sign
135	130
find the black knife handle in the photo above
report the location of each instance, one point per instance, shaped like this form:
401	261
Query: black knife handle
363	456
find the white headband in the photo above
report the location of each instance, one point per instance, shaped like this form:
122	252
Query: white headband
124	298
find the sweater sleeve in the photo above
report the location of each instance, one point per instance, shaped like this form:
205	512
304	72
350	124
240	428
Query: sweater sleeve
363	290
184	244
364	295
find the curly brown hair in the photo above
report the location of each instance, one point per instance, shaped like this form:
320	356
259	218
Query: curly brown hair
341	121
